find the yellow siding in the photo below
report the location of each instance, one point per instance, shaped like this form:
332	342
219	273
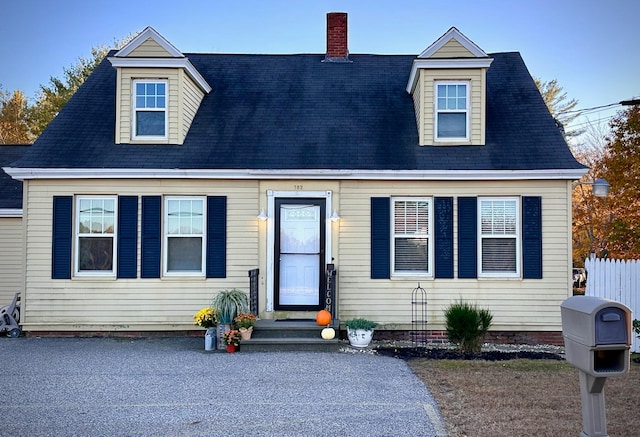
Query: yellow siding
127	75
516	304
165	304
132	304
10	258
149	49
476	77
192	97
417	103
453	49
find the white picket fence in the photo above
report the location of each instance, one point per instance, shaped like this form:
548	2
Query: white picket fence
617	280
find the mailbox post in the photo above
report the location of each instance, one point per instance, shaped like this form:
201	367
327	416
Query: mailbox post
597	338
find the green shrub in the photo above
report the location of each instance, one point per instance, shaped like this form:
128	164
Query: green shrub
365	324
636	326
466	325
229	304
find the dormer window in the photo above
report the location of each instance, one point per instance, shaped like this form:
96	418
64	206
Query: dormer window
452	111
150	109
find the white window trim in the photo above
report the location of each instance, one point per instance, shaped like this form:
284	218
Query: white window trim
134	110
436	111
165	238
507	275
429	236
76	239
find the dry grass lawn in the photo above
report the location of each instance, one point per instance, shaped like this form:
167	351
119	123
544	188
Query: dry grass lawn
524	397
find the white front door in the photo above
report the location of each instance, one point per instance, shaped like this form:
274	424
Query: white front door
299	253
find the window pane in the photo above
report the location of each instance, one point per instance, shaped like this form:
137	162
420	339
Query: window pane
160	87
95	253
411	255
462	91
452	125
150	123
185	217
462	103
411	217
442	103
442	91
498	217
140	89
96	216
499	255
184	254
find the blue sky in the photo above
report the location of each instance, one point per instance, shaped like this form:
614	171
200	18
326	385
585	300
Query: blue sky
591	47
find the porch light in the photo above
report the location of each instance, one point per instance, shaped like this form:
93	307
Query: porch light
262	216
600	187
334	217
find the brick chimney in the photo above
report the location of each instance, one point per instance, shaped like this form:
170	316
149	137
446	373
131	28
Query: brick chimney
337	50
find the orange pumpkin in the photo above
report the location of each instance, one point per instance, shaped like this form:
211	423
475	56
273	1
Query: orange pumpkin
323	317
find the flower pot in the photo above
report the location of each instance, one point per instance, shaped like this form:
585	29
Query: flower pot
245	333
210	339
359	337
231	348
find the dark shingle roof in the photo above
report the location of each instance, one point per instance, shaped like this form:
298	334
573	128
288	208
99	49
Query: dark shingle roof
10	189
296	112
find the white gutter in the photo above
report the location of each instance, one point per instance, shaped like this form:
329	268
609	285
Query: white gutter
10	212
403	175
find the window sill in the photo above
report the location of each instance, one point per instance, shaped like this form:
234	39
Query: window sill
425	277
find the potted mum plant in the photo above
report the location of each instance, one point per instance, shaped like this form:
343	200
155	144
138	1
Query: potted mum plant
360	331
231	339
244	322
207	318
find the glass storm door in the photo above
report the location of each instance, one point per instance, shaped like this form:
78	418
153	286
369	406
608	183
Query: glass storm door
299	253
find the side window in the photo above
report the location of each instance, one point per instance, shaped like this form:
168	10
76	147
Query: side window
95	252
184	236
499	236
149	109
452	111
411	240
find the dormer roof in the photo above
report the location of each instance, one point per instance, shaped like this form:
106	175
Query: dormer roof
149	49
451	50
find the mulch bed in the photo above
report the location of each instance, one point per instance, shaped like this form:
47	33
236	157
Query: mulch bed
407	353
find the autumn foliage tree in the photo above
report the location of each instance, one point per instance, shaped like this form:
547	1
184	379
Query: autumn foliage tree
621	168
13	124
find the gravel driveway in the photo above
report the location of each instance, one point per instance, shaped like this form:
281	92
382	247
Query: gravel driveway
172	387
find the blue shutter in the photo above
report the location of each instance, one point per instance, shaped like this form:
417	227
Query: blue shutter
151	236
467	237
380	237
443	230
127	236
216	237
62	234
532	237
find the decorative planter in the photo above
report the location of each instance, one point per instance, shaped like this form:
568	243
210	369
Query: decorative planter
210	339
219	331
245	333
359	337
231	348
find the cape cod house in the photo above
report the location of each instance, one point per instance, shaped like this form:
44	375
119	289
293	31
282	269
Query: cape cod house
169	176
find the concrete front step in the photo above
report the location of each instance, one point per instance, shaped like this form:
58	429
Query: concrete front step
289	335
289	344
